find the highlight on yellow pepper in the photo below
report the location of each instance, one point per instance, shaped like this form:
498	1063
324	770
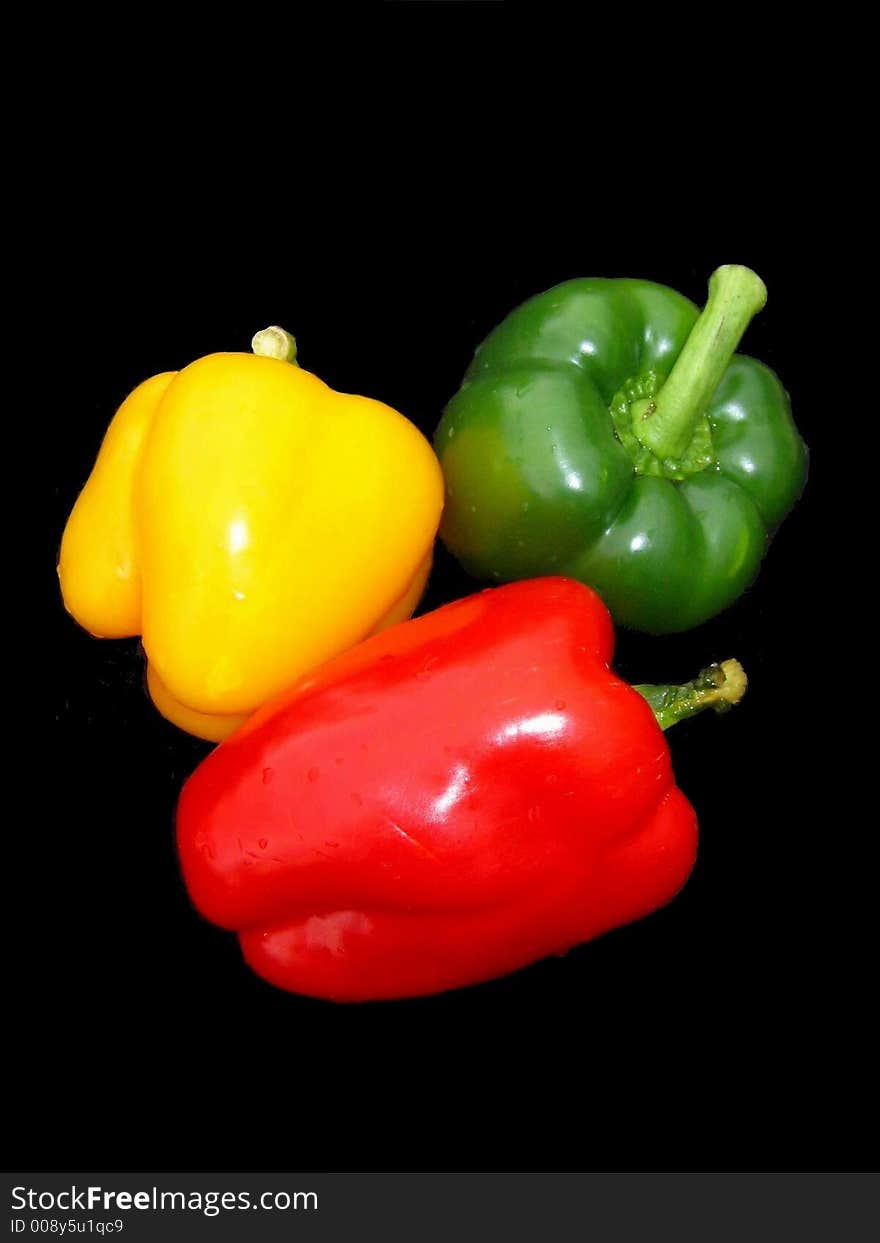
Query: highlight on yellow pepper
249	523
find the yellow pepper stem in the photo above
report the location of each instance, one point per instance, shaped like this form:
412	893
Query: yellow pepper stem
275	342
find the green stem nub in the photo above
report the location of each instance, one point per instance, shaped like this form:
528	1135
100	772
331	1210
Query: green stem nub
719	687
666	424
275	343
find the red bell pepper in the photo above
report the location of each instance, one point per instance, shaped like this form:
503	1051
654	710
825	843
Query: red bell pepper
455	798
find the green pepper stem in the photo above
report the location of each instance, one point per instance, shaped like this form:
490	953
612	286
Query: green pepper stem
275	342
719	687
666	424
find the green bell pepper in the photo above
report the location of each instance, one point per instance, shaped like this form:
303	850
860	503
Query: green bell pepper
607	431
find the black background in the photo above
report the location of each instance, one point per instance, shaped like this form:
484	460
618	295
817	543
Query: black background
728	1030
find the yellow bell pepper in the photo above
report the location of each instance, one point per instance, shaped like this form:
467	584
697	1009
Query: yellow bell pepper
249	522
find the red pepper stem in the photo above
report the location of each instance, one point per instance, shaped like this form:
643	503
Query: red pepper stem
275	342
666	423
719	687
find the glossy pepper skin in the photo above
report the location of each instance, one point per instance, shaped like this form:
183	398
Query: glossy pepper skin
451	800
606	430
249	522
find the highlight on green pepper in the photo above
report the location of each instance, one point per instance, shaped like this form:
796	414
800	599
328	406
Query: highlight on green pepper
606	430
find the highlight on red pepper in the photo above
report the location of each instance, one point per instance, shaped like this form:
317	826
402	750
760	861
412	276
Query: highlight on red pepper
449	801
